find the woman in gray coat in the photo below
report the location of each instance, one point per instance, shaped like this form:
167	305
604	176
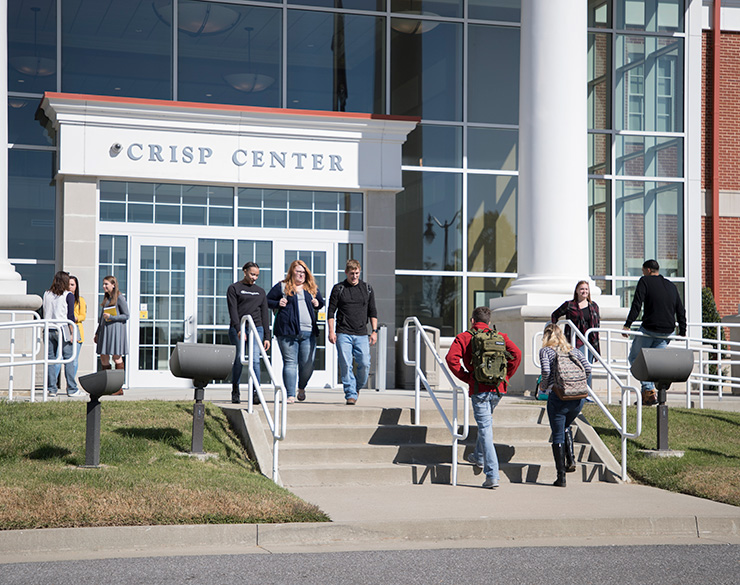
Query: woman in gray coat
110	337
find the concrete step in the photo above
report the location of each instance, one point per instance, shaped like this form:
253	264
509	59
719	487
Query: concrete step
423	453
403	473
403	434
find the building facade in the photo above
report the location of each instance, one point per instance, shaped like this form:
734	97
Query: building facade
156	77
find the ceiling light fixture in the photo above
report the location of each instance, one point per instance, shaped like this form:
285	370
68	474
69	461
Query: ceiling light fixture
34	65
249	81
197	18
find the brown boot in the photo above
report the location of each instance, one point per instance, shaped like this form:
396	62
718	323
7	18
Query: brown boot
649	398
120	366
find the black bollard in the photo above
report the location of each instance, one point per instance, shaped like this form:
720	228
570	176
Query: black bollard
92	433
199	416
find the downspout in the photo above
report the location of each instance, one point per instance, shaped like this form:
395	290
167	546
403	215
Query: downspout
716	32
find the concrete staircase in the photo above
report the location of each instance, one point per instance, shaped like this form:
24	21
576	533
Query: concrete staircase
332	444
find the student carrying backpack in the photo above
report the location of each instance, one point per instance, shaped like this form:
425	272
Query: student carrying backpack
484	359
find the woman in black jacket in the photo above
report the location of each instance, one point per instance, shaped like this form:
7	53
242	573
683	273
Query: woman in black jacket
296	300
584	313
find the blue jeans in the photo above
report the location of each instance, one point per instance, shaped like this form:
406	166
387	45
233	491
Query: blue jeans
561	414
298	353
357	347
483	405
651	339
69	370
236	370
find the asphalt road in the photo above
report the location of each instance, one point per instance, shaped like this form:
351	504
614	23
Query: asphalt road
629	565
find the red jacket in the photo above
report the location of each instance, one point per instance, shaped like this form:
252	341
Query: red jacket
460	350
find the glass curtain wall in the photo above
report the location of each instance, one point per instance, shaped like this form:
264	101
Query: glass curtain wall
636	141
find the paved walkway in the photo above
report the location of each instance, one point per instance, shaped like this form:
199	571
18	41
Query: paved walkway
413	516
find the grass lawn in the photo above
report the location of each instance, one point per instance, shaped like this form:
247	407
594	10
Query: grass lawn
710	467
143	478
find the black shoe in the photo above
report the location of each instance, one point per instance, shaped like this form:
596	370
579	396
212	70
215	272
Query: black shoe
255	398
235	399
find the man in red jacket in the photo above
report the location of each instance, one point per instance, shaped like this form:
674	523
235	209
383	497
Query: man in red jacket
484	398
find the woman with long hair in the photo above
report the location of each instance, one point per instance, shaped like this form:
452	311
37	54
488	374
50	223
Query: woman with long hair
561	413
296	299
58	303
585	315
80	314
110	337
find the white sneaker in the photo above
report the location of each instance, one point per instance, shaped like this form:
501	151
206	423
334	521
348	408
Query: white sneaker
490	483
76	394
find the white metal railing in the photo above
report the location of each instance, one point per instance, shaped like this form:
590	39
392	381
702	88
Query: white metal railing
420	378
40	329
611	375
708	352
278	422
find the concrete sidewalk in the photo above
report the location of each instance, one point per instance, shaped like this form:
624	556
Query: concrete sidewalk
411	516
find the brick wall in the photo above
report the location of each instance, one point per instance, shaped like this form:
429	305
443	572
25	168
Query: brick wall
728	121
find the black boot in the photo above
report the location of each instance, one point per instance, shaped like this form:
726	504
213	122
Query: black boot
570	458
558	453
235	398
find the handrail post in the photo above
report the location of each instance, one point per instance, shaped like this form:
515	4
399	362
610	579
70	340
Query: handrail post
417	381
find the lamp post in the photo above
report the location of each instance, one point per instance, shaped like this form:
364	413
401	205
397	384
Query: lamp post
429	232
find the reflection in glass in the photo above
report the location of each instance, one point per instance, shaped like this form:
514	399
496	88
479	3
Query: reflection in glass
482	290
599	13
111	48
492	211
435	300
32	47
31	205
23	128
502	10
429	8
493	64
426	73
599	80
649	224
599	227
336	62
433	146
651	15
240	65
649	83
649	156
429	209
493	148
599	154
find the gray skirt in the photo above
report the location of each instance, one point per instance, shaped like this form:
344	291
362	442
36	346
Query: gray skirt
112	339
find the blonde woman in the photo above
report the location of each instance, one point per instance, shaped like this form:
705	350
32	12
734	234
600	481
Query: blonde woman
296	300
561	413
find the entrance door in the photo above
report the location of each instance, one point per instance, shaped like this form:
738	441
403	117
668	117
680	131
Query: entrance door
162	307
319	257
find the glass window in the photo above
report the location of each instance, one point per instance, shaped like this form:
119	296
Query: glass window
32	46
336	62
347	252
426	72
503	10
482	290
493	148
433	146
649	84
600	13
31	205
493	74
434	300
113	261
429	209
649	156
38	277
259	252
116	48
599	154
599	80
229	54
346	4
492	218
600	227
23	128
215	274
651	15
428	7
649	224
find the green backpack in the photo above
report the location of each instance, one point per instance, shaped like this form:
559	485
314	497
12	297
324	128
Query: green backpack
489	357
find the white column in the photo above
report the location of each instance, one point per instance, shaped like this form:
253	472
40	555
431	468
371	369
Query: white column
12	288
552	238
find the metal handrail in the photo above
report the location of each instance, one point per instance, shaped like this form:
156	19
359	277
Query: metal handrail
626	399
35	348
36	325
420	378
278	424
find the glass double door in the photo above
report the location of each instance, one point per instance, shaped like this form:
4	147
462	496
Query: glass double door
172	282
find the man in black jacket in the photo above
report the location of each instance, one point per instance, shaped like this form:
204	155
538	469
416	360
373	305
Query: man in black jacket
663	307
246	298
353	301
